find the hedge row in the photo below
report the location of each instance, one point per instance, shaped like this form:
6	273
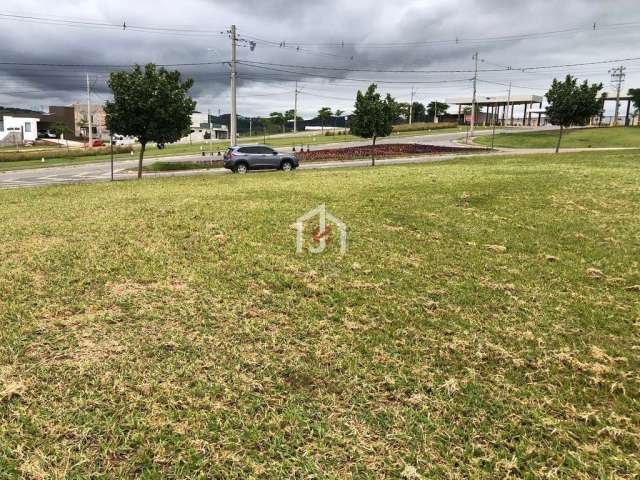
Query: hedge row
61	153
405	127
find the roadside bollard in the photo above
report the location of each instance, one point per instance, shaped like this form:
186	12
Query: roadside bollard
294	148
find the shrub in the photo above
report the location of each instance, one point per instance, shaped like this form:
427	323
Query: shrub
382	150
405	127
61	153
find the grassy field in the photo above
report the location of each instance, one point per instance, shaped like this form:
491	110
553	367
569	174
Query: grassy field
579	138
195	149
483	324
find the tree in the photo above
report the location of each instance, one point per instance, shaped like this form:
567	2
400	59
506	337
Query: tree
373	116
402	112
418	112
337	114
436	108
634	93
289	115
62	131
324	114
572	104
279	119
151	104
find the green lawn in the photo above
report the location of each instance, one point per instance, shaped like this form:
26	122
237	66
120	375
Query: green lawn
578	138
483	324
195	149
177	166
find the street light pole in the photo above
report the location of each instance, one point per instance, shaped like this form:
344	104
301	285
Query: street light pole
89	112
112	157
411	107
295	110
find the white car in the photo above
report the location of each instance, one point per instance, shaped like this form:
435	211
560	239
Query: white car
122	140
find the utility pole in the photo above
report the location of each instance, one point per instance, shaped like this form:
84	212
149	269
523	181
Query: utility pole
473	101
89	112
233	120
411	107
508	102
112	156
250	127
295	110
617	77
210	131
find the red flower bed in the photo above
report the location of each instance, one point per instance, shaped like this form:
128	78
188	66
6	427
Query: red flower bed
382	150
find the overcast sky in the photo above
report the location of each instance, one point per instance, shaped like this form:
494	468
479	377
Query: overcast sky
377	35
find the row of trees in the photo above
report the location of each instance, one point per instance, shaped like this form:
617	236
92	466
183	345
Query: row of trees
402	111
154	105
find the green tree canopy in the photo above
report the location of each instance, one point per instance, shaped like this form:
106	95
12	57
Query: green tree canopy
279	119
418	112
437	108
324	114
401	112
151	104
572	104
634	93
373	116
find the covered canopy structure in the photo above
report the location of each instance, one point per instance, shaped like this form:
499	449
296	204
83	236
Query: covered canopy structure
611	97
493	114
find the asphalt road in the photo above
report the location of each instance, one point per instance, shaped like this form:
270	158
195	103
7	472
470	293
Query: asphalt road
101	172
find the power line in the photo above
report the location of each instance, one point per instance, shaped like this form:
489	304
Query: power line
62	21
456	40
87	65
362	69
250	63
341	78
507	85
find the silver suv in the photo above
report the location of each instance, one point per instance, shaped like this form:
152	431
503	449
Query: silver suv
243	158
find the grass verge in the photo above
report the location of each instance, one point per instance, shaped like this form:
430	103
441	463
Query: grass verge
316	138
577	138
483	324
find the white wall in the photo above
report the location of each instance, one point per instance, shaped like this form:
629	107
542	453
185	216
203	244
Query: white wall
199	118
29	126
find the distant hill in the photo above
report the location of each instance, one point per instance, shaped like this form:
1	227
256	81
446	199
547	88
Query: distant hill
18	111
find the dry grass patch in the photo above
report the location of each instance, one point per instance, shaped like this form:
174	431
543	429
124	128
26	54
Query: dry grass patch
483	324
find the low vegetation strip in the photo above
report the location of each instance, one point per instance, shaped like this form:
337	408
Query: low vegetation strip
482	324
60	152
573	138
381	150
176	166
421	126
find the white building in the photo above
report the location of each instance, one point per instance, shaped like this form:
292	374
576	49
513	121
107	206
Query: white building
202	131
18	128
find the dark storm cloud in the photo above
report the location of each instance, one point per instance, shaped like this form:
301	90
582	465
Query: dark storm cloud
361	25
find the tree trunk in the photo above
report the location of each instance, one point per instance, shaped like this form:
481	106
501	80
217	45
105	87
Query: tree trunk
559	139
143	146
373	153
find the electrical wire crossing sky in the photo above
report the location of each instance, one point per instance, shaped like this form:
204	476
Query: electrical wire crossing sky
331	49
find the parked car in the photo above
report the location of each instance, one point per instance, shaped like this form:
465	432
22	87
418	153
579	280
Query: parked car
122	140
95	143
46	134
243	158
